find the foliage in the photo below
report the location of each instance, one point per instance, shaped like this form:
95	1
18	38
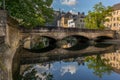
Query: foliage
40	43
39	46
96	18
32	74
30	13
98	65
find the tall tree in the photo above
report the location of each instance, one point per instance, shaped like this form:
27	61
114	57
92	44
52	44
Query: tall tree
30	12
96	18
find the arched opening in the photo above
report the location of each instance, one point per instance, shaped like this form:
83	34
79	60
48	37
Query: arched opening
74	42
103	38
103	41
40	44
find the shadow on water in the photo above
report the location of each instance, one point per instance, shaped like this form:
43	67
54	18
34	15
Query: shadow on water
102	45
107	43
42	48
79	46
46	49
53	58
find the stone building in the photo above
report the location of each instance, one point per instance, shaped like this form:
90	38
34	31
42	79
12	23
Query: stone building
72	20
66	20
114	20
113	60
79	20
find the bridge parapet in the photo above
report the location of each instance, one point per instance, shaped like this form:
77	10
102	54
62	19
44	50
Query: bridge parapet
61	29
60	33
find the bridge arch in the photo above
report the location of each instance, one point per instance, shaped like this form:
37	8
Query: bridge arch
102	38
32	41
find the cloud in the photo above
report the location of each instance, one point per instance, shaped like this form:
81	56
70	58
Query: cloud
74	8
69	2
68	68
72	11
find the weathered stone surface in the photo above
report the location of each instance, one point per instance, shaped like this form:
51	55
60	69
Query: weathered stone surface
60	33
8	47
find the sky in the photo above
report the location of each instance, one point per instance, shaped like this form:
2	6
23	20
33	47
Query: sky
80	5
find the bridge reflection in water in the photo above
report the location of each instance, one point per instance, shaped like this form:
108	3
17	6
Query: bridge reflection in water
53	59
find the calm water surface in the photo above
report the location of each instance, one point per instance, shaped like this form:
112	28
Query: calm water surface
98	65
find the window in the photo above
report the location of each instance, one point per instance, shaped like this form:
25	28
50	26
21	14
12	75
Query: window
114	24
114	19
117	18
78	24
80	20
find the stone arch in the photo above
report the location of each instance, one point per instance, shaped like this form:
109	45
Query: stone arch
52	44
79	37
81	42
102	38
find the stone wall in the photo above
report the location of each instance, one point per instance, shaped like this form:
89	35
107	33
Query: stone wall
9	48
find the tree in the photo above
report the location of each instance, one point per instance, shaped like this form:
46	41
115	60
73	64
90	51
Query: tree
96	18
99	65
29	12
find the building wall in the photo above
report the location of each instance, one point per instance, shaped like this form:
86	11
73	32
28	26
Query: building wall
79	21
71	23
113	60
72	20
114	20
63	22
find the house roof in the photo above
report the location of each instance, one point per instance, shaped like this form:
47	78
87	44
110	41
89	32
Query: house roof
67	15
116	6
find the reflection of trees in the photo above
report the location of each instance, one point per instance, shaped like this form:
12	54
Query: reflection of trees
67	42
32	74
40	43
98	65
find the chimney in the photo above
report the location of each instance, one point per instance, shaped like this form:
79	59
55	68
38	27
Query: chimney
78	13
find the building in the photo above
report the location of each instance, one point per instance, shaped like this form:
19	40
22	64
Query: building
79	20
71	20
113	59
66	20
71	23
114	20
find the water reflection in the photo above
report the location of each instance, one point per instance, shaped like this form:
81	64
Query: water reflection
98	65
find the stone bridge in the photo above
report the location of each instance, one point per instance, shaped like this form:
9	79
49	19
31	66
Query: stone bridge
11	37
59	33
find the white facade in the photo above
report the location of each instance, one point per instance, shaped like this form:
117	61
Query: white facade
58	23
71	23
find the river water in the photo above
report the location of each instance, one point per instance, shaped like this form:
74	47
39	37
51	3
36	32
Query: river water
101	63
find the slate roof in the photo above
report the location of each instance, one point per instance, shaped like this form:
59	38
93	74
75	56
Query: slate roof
116	6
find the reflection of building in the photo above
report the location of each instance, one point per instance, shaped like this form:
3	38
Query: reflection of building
113	59
114	20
